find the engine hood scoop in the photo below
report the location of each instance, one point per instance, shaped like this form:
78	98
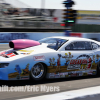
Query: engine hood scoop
22	43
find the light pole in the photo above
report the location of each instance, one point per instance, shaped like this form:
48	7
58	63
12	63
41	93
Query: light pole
42	4
42	7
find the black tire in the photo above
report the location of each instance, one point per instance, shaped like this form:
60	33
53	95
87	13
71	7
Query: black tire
42	74
98	69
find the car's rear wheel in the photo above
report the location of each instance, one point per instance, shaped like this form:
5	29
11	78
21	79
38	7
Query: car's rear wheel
98	69
38	72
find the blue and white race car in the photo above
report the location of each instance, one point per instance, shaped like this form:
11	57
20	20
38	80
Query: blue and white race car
52	57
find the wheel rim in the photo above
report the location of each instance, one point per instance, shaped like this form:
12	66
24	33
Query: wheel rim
37	71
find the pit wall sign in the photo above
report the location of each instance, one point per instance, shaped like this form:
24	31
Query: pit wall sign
6	37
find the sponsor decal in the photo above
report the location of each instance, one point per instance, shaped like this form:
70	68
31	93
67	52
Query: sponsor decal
57	76
70	67
20	73
25	53
51	75
25	77
62	75
90	72
29	51
66	74
3	54
69	74
26	70
79	62
94	72
67	57
77	74
52	62
74	74
85	74
11	55
8	53
39	58
80	73
18	77
84	55
18	69
58	63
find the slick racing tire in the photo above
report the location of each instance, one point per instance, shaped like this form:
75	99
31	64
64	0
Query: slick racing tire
98	69
38	72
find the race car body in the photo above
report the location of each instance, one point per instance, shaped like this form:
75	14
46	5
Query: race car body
53	57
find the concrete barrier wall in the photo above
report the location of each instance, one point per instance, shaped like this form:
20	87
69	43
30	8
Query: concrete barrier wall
6	37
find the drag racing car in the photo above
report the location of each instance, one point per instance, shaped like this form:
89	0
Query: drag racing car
52	57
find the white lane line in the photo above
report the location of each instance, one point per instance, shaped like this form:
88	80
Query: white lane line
68	94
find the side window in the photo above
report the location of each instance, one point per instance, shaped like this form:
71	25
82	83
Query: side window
87	45
79	46
95	46
69	47
51	41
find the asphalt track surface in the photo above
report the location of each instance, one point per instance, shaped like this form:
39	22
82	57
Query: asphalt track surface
64	84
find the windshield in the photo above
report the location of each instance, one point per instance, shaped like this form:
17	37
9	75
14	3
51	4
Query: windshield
53	43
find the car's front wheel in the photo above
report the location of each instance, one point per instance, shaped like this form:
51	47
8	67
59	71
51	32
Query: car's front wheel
38	72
